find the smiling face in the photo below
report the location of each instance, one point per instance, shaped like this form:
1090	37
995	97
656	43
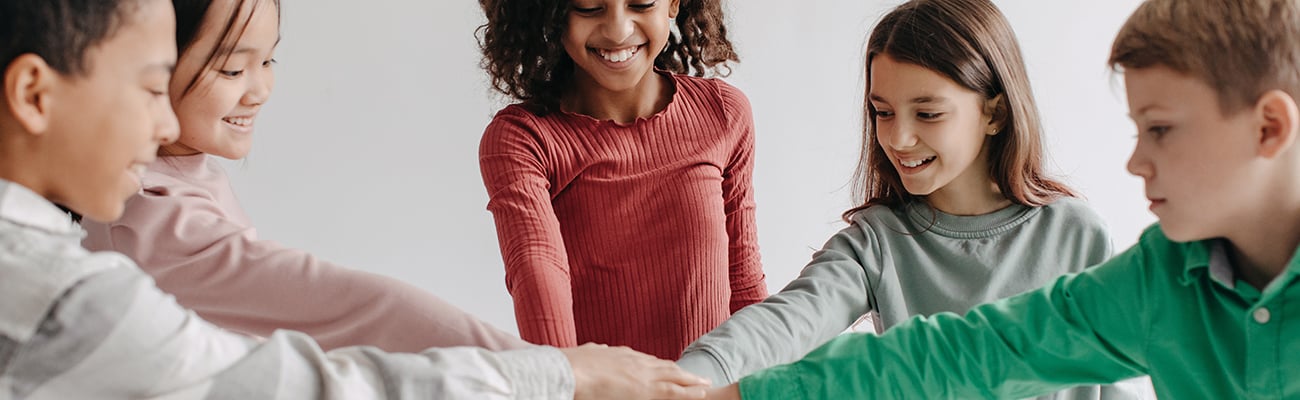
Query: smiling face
614	43
106	124
217	115
932	130
1195	162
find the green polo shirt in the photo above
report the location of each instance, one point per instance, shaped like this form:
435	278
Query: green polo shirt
1174	311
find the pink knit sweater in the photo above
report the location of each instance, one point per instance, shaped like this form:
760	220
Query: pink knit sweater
187	230
640	235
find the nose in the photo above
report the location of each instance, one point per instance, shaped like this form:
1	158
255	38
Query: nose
898	136
1139	164
259	87
618	26
168	129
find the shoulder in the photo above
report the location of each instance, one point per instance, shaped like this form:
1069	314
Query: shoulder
713	94
880	220
717	91
1072	212
168	200
518	113
38	278
172	215
517	123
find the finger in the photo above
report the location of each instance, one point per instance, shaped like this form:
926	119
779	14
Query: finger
666	390
674	374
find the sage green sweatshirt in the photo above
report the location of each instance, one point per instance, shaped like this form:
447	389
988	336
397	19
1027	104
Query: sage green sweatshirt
905	261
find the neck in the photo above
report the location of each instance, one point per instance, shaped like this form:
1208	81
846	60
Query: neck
974	203
16	162
649	96
1266	241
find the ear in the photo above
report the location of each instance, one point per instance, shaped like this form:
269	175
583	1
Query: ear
995	111
673	7
27	84
1280	120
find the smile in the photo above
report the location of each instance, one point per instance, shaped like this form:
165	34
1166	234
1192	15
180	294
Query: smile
618	55
916	163
239	121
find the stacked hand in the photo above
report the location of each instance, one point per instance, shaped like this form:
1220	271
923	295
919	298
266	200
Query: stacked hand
603	372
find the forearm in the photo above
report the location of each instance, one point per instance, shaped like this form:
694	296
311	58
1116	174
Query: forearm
1020	347
544	309
131	340
258	287
824	300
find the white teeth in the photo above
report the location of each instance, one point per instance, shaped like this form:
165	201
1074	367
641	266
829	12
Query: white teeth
917	163
618	56
238	121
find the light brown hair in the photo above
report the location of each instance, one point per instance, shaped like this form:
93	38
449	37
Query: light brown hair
971	43
1241	48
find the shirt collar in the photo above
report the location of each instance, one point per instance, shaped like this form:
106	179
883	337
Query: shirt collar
1212	256
21	206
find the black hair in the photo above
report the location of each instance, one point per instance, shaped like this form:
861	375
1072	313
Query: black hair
59	31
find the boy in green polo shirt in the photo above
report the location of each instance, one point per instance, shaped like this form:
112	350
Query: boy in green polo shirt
1208	301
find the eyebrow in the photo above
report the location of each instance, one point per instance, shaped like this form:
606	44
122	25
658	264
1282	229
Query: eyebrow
1143	110
247	49
915	100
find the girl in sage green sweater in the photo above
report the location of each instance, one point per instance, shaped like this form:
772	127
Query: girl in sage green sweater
957	209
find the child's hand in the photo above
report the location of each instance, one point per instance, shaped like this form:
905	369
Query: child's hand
603	372
729	392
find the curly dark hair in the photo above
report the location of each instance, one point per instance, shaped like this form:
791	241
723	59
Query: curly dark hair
526	60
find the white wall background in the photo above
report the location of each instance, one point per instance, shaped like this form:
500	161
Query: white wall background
367	153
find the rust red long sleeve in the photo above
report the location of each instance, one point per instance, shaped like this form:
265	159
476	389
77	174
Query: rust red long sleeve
641	234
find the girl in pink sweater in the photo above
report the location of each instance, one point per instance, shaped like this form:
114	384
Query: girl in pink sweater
187	230
620	187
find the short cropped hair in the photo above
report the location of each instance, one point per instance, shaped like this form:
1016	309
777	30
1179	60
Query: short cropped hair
1241	48
59	31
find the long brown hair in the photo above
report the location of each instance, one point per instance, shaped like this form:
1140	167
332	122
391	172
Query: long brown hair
971	43
523	54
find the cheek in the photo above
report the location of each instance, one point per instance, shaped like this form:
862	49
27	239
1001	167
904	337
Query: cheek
573	37
659	29
189	115
967	139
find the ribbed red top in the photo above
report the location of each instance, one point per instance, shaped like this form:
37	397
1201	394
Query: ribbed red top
639	235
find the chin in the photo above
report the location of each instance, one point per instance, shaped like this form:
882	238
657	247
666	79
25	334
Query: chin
236	153
104	213
918	191
1180	233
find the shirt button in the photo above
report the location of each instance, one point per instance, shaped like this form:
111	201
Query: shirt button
1261	315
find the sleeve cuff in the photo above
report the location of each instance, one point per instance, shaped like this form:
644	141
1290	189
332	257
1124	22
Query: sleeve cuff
538	373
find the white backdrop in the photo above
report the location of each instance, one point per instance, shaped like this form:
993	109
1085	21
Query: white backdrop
367	153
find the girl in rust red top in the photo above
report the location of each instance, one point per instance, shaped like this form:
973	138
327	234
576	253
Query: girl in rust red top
621	180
